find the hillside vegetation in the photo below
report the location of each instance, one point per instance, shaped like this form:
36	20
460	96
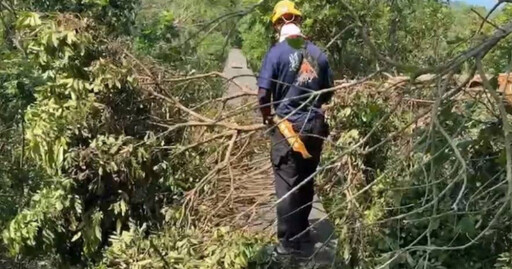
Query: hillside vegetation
117	149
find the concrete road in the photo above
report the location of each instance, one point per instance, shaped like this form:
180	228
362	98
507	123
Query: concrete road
236	68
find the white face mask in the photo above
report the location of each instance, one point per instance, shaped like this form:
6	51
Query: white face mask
288	30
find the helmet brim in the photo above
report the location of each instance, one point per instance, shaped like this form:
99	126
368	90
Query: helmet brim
276	16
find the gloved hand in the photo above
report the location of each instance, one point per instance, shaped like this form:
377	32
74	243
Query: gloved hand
267	116
268	120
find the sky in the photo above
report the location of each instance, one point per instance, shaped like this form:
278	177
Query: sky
486	3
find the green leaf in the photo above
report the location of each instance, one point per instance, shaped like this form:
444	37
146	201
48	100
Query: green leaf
60	156
410	260
55	42
123	208
77	235
466	225
30	19
118	226
144	262
70	37
435	224
97	232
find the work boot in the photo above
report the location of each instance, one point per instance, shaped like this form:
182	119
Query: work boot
288	256
306	238
285	248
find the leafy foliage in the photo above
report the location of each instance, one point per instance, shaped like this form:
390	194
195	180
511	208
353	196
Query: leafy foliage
87	134
182	249
118	16
91	174
419	33
186	34
402	176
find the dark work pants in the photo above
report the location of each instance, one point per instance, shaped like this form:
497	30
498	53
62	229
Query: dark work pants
290	170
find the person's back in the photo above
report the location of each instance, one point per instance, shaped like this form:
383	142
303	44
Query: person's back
292	75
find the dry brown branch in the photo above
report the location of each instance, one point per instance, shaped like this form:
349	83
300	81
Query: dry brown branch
227	163
485	19
244	89
207	140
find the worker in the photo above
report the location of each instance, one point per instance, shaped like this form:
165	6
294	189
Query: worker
293	72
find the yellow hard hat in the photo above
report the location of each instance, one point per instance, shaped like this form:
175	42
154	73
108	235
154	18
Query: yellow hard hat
284	7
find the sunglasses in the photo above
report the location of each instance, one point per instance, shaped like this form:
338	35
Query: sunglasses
288	18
